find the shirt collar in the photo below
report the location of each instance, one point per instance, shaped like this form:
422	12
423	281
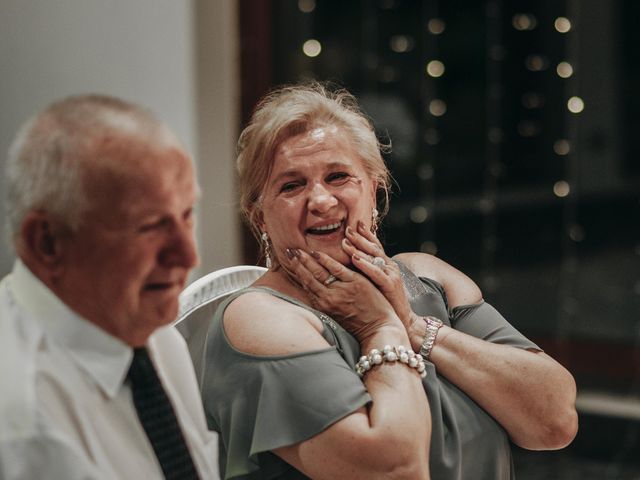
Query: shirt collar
102	356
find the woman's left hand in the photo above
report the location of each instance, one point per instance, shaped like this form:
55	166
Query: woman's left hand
368	256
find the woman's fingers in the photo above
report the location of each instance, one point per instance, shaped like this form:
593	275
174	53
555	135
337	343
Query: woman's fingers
308	273
316	271
334	267
363	241
375	271
370	236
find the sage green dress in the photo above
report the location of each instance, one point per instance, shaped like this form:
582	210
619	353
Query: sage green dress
260	403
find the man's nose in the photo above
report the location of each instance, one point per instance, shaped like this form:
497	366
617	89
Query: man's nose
182	250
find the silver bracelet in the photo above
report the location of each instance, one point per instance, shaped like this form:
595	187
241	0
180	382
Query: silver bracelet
391	354
433	325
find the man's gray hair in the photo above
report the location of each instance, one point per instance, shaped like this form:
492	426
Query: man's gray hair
45	161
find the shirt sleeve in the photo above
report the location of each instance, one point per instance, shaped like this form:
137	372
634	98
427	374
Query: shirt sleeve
483	321
44	456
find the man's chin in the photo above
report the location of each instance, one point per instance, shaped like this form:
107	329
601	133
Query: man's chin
162	315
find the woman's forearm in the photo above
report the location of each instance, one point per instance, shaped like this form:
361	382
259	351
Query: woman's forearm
528	393
399	415
387	439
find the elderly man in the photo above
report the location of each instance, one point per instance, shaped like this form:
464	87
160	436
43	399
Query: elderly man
94	383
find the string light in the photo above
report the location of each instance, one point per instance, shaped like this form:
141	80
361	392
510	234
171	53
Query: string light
388	4
436	26
561	189
424	213
435	68
425	171
306	6
496	53
576	233
312	48
562	147
532	100
429	247
524	21
562	24
432	136
495	135
575	104
528	128
401	43
387	74
437	107
419	214
536	63
564	70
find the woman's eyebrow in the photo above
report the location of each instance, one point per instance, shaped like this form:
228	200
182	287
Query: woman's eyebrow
285	175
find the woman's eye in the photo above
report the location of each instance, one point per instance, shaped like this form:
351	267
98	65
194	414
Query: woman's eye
338	177
287	187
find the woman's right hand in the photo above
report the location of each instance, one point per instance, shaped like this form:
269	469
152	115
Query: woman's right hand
351	299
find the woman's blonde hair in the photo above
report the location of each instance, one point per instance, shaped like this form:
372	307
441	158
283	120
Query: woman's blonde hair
294	109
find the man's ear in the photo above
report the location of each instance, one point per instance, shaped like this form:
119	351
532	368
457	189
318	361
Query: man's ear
40	243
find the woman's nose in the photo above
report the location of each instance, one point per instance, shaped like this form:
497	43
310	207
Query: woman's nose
321	199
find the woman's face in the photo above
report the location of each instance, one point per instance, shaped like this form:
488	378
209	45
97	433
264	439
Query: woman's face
318	186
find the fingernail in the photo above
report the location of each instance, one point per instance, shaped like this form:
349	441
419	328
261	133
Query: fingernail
315	254
290	254
349	230
355	256
347	242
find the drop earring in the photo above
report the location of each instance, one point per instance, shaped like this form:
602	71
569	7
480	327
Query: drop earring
266	246
374	220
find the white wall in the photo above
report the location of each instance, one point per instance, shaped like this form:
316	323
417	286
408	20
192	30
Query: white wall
144	50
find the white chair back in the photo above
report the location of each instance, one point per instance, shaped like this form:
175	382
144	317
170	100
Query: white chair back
198	304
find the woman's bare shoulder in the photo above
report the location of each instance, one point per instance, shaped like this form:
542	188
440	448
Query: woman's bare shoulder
259	323
460	289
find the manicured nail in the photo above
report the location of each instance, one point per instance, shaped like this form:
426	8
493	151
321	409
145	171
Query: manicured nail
347	243
290	254
349	230
315	254
355	256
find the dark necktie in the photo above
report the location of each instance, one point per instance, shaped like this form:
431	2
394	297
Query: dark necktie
159	419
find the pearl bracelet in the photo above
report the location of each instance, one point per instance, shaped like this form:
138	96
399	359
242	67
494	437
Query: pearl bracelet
391	354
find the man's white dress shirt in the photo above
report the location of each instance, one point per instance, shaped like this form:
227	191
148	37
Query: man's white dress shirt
66	410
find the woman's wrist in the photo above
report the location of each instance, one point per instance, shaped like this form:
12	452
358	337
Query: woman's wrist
415	331
385	335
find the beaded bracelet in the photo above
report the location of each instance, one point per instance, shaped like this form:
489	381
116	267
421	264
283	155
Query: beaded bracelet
391	354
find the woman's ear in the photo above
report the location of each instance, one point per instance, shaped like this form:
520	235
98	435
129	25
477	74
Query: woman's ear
374	193
258	218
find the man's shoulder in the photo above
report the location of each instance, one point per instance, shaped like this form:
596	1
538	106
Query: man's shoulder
18	409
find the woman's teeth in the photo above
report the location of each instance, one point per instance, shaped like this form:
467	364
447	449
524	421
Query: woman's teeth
325	228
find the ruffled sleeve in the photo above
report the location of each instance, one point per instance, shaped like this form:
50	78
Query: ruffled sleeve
261	403
483	321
